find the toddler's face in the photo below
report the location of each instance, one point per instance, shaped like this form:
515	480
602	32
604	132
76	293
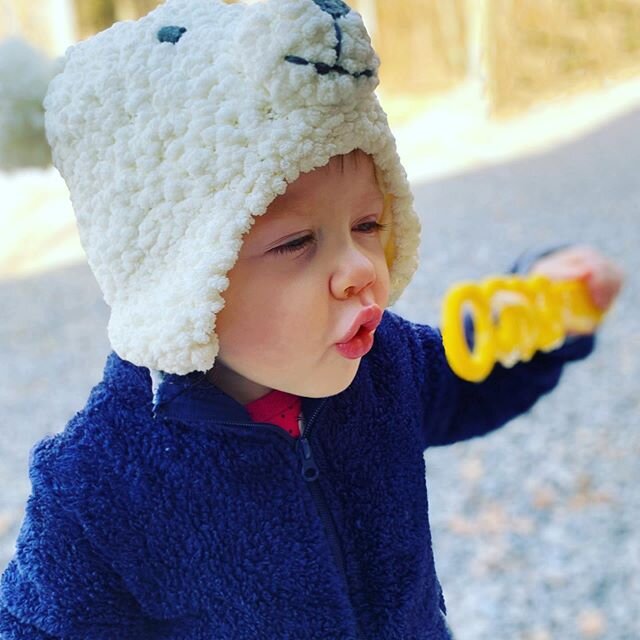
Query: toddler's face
307	267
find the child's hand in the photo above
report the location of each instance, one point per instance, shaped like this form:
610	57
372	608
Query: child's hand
603	277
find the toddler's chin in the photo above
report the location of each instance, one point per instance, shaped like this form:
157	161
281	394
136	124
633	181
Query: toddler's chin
326	384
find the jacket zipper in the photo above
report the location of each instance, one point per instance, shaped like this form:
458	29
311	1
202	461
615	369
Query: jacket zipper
310	473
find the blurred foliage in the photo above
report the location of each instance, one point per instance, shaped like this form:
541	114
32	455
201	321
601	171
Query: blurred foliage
533	49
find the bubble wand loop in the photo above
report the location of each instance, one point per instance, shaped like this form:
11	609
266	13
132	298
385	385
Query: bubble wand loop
513	317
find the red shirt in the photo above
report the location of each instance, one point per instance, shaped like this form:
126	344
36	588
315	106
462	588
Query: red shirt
279	408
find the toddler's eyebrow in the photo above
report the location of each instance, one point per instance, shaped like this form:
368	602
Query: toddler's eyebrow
368	205
296	204
286	214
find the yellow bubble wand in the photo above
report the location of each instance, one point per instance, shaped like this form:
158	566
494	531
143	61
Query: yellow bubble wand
513	317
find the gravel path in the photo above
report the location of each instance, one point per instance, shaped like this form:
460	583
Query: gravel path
536	526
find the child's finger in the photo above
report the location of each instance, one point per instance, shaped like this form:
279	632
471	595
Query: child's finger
604	285
563	270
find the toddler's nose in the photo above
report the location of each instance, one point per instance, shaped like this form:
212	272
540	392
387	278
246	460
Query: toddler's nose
336	8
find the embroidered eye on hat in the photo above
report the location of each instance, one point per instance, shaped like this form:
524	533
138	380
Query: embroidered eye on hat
174	131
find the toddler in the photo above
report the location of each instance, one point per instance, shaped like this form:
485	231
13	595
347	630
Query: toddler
251	464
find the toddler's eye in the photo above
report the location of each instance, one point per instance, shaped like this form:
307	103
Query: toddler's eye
293	246
300	243
373	226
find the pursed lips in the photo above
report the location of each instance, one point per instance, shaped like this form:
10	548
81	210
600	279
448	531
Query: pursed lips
369	318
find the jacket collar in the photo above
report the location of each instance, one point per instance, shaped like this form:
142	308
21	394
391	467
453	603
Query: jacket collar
189	398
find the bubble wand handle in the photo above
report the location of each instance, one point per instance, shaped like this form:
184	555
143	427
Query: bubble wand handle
513	317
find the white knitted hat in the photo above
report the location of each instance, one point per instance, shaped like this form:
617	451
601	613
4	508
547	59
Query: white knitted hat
174	130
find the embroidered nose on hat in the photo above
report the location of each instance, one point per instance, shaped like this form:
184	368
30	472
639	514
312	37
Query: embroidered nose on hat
336	8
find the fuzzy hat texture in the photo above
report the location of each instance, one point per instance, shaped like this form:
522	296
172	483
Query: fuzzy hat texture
173	131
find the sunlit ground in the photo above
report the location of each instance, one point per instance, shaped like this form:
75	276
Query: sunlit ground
435	138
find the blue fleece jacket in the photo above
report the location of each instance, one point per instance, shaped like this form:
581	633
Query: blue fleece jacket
182	519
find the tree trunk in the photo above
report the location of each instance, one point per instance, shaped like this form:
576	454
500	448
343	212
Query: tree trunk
62	25
478	68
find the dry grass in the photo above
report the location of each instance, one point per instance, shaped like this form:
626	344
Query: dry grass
421	44
96	15
535	49
543	48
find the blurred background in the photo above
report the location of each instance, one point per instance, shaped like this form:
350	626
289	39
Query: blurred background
518	122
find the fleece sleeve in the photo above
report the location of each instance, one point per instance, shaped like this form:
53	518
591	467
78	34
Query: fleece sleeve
455	409
56	585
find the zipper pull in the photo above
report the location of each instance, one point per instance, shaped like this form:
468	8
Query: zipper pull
310	471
